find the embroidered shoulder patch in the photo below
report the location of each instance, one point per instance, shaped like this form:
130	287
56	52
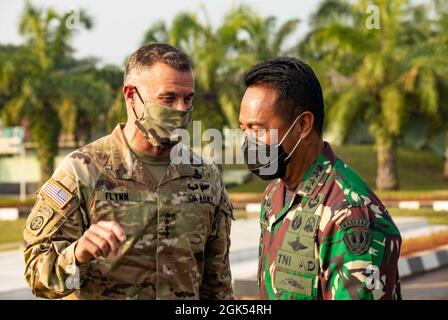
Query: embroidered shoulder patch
57	194
357	236
358	241
39	219
354	223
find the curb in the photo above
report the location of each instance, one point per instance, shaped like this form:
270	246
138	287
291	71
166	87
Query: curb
423	262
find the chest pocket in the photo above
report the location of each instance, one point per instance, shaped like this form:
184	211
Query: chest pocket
194	216
297	267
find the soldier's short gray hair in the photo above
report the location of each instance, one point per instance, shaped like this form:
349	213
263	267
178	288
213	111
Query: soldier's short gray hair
149	54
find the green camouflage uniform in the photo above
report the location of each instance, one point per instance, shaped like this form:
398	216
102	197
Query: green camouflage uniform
177	244
333	240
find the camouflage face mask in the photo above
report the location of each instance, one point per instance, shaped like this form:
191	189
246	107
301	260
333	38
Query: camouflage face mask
158	122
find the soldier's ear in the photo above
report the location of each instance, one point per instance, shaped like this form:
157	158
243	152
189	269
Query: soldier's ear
306	123
129	95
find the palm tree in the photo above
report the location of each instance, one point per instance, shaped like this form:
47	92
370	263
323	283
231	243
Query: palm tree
222	54
45	86
432	77
265	39
375	66
213	53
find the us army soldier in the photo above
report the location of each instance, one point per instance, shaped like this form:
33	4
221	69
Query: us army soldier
119	219
324	233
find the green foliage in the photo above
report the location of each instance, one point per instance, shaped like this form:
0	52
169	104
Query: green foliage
379	76
419	172
433	217
11	231
221	54
117	112
46	89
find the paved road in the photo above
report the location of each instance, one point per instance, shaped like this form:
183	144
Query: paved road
19	294
243	257
429	286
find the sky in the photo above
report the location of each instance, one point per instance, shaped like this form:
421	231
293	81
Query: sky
119	26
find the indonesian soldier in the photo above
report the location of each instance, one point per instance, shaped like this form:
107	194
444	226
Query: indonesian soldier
119	219
324	233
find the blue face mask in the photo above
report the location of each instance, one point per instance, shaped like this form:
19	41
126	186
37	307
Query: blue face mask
278	159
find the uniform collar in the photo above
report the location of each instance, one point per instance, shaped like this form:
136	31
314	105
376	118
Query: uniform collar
121	161
125	165
314	180
317	173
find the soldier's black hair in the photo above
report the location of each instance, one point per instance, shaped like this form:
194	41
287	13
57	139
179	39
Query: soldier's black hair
149	54
297	85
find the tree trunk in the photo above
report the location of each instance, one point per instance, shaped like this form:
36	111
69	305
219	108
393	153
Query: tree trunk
206	114
45	130
387	177
46	169
445	171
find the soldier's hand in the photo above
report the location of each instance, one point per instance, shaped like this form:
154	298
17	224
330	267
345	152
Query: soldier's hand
99	240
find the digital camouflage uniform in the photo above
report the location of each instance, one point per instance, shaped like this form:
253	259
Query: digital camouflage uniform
333	240
177	244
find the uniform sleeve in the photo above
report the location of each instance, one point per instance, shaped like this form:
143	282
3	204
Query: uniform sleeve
51	233
359	254
217	279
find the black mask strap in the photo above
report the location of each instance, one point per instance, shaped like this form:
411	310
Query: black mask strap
140	97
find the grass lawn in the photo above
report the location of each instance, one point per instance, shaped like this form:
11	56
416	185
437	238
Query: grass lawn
11	231
417	170
420	174
433	217
15	202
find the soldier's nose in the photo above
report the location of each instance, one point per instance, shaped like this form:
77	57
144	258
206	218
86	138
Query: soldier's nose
181	105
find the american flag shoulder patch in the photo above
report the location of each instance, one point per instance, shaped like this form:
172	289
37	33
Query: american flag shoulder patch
56	193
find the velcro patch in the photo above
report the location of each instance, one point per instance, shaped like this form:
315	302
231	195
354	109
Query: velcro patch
57	194
201	198
200	186
354	223
298	263
310	225
358	241
293	283
117	196
40	219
